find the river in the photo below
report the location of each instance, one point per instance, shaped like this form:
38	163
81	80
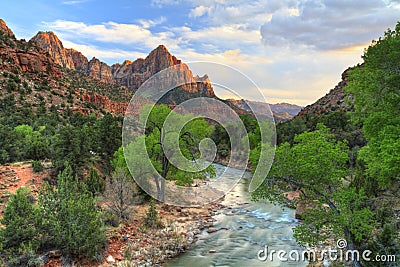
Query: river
244	228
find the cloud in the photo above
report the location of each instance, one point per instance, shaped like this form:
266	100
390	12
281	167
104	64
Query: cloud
330	24
199	11
74	2
161	3
92	51
112	32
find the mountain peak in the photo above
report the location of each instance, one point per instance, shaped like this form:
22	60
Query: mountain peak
49	42
4	28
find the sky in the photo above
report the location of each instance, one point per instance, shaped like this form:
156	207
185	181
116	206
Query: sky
294	50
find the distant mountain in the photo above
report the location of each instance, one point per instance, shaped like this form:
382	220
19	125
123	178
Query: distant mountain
281	111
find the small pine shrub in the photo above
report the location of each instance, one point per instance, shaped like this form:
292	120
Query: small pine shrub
151	219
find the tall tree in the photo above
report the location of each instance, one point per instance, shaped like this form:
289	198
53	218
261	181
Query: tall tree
315	165
375	87
164	143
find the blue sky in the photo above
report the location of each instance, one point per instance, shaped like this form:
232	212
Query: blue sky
294	50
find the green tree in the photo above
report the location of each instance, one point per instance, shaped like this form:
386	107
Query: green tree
375	87
22	222
34	145
164	143
71	146
108	136
316	165
72	220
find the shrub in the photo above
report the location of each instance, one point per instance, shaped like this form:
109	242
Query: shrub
22	221
37	166
151	219
72	220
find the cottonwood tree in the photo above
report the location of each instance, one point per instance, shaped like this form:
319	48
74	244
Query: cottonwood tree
316	165
161	146
375	87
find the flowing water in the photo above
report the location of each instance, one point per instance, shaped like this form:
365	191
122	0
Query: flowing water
244	227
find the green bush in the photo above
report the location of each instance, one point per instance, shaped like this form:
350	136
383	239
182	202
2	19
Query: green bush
94	183
73	222
22	222
151	219
37	166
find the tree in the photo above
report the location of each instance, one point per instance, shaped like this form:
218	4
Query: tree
165	145
315	165
108	136
121	190
71	146
375	87
34	144
22	222
72	220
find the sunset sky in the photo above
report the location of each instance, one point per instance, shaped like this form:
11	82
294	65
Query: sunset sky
294	50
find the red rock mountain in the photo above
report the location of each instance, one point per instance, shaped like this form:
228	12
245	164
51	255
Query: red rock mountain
50	43
130	74
5	29
29	60
72	59
33	76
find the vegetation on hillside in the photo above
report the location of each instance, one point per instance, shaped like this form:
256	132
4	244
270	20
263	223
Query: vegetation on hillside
347	172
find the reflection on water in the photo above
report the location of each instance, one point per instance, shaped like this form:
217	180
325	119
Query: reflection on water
245	228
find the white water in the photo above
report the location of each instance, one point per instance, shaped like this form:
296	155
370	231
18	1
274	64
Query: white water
250	228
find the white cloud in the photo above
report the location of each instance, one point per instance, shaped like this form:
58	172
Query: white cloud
269	40
113	32
199	11
92	51
152	23
74	2
161	3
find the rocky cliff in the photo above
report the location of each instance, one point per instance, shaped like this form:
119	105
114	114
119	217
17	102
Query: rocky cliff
336	99
36	77
133	74
5	30
72	59
29	59
130	74
50	43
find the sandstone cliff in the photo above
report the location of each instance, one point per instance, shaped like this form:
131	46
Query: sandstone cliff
4	29
72	59
50	43
129	74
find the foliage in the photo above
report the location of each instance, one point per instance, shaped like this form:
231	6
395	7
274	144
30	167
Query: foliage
71	146
316	164
375	86
22	222
187	140
95	184
72	221
151	219
37	166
